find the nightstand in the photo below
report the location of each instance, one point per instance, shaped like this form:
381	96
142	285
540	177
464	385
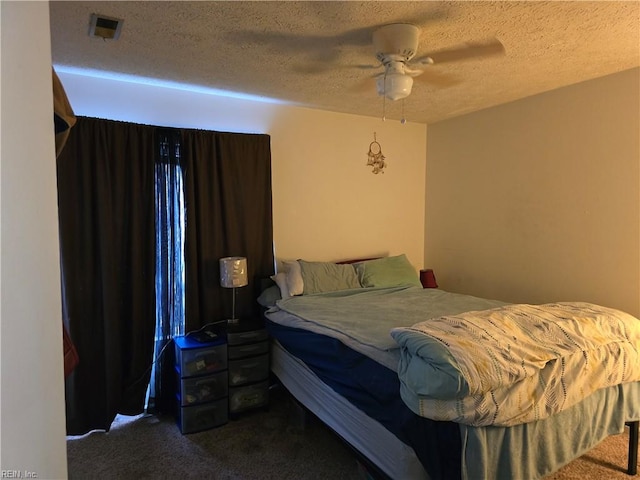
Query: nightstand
248	365
201	368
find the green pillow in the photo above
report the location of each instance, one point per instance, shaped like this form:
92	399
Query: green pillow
388	272
319	277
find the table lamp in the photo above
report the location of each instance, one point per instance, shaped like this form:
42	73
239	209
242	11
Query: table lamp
233	274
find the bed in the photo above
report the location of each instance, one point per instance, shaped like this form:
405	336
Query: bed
348	344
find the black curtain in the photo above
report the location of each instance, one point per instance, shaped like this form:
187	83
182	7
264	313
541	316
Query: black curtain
109	174
107	246
228	204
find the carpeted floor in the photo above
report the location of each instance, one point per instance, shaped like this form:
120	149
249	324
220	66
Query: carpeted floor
273	444
260	445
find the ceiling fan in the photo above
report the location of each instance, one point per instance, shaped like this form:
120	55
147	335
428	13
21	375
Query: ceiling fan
395	46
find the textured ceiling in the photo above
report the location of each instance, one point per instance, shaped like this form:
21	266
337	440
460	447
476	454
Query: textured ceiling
306	52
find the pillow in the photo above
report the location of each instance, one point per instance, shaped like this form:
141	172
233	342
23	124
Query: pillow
281	282
270	295
355	260
319	277
388	272
294	278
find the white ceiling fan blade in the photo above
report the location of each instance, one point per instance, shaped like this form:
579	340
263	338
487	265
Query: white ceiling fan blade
424	60
466	51
365	85
316	68
321	43
413	72
437	79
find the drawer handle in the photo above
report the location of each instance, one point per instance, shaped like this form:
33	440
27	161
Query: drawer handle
251	365
250	350
211	382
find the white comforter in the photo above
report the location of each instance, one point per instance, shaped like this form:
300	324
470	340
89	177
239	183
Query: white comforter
517	363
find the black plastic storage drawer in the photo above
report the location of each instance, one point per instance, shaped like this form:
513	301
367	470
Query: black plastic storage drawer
202	417
253	336
248	370
203	389
249	396
248	350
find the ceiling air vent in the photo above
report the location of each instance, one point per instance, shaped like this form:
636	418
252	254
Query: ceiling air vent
105	27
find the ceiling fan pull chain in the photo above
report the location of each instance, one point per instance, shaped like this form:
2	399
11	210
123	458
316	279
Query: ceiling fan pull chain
403	120
384	100
384	108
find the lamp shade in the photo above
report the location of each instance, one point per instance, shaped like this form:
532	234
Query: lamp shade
233	272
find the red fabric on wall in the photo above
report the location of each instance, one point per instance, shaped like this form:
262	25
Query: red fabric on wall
71	358
428	279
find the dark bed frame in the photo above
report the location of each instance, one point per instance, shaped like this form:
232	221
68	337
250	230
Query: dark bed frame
632	467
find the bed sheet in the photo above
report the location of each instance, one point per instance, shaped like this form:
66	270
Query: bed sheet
533	450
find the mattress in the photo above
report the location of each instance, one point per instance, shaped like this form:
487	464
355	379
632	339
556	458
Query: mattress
372	389
367	436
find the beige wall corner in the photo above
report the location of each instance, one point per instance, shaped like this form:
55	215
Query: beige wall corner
538	200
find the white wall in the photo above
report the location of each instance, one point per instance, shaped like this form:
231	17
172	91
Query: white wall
539	200
327	205
32	421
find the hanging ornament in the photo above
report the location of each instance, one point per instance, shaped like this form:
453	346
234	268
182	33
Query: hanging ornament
376	158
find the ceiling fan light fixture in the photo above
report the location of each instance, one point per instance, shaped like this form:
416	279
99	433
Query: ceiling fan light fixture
394	86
